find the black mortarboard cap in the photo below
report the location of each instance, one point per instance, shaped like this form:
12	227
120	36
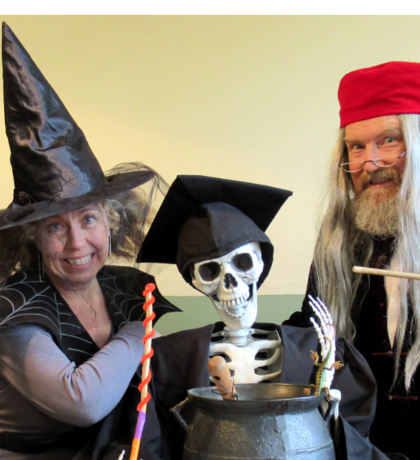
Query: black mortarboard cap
206	217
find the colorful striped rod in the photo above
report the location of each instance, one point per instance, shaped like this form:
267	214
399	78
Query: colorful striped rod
146	373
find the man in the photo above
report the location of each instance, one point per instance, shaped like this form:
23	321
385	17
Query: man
373	219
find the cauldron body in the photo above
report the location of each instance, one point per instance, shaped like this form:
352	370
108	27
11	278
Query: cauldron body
269	421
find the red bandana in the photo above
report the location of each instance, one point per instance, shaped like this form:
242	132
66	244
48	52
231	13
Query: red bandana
386	89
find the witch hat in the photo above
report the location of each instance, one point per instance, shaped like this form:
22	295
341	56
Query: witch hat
204	218
54	169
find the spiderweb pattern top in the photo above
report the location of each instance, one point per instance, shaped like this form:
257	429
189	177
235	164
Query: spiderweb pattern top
25	299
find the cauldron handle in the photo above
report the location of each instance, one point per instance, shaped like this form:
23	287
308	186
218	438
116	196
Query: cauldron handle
177	413
329	411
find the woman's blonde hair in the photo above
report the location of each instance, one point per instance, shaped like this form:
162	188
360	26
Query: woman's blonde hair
18	249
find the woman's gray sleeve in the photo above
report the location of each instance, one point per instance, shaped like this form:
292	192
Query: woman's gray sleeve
33	364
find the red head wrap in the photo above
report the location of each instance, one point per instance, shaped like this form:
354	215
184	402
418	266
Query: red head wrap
386	89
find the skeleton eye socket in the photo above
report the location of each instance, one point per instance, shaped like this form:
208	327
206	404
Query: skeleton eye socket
242	262
209	271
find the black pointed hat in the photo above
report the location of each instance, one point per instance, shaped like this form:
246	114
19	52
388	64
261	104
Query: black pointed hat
54	168
203	218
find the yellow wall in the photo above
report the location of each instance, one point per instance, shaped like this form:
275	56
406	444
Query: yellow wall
250	98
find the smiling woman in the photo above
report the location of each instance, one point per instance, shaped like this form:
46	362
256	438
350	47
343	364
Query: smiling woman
74	246
70	335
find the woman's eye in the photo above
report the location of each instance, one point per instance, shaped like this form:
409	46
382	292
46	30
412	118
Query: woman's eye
54	227
89	219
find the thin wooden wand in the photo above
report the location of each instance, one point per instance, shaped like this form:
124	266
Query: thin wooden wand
380	272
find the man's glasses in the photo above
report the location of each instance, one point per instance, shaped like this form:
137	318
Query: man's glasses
357	166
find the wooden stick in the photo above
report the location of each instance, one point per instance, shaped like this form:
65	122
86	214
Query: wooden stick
377	271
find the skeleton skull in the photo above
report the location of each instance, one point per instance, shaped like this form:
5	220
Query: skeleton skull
230	282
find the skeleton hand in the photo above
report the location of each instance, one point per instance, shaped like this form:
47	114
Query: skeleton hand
326	337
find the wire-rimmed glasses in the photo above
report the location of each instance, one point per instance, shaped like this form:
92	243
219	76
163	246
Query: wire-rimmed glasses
356	166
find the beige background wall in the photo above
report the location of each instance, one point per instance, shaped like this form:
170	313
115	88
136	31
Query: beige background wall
251	98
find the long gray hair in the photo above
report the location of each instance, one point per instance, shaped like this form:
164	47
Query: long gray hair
335	256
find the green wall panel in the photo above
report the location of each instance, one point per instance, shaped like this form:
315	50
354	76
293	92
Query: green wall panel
199	311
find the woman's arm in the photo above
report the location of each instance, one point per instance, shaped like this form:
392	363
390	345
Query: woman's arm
33	364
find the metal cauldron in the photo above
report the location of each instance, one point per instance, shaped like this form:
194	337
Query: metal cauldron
269	421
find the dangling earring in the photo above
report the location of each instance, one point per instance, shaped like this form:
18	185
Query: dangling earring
40	265
109	249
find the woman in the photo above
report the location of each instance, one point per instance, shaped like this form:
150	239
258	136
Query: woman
70	339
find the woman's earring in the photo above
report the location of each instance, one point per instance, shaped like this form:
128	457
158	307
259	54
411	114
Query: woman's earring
40	266
109	249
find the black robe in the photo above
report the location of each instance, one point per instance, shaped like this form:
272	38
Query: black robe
180	364
394	428
24	298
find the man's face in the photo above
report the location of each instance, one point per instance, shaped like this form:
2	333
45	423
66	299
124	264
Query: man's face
371	139
375	208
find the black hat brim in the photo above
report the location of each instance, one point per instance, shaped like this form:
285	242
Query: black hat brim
16	215
188	198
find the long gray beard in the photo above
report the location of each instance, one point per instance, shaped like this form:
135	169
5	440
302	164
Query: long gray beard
375	214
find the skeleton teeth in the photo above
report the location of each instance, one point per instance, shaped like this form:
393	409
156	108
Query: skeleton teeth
243	299
82	261
238	316
234	302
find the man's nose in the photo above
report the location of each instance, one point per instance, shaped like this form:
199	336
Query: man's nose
75	237
372	153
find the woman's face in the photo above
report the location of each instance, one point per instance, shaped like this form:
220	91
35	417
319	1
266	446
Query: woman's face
74	246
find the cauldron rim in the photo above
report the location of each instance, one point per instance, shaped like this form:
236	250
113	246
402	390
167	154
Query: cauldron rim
209	393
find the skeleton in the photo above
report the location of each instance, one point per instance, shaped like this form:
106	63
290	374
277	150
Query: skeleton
230	282
217	239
